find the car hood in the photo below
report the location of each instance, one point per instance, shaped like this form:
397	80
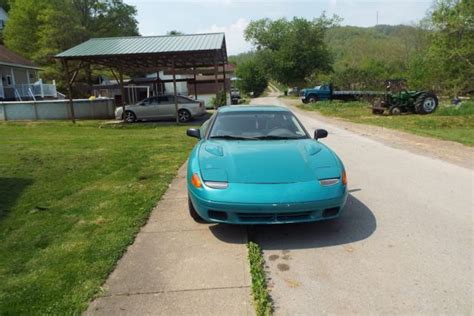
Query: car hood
275	161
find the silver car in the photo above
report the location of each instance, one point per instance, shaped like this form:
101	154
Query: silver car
161	107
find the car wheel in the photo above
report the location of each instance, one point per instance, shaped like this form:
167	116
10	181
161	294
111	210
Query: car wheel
129	117
394	110
193	213
184	116
313	99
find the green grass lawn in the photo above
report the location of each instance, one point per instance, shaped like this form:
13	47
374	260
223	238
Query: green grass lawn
71	199
448	122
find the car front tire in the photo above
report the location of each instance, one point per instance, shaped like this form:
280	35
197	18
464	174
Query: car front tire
129	117
193	213
312	99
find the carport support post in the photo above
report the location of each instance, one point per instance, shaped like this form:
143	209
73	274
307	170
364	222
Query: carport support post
216	82
195	84
70	81
175	95
225	85
122	91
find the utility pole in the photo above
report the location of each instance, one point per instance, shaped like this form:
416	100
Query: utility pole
377	18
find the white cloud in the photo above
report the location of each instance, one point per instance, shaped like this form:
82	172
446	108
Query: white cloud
234	36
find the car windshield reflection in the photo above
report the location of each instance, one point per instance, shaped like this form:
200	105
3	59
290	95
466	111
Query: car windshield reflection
253	125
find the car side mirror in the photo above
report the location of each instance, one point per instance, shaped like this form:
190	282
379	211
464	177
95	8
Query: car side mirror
320	133
193	132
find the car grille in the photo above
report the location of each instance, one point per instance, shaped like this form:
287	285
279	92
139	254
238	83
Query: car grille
273	217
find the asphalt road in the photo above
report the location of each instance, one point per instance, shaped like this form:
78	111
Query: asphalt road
403	245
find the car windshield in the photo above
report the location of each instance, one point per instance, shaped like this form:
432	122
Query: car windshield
257	125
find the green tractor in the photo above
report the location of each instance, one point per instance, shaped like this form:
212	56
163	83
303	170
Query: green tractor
398	100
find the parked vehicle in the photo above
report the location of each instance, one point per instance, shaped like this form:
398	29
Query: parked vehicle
326	92
293	91
161	107
398	99
258	165
234	96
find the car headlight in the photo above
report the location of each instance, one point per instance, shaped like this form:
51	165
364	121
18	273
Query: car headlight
333	181
216	184
328	182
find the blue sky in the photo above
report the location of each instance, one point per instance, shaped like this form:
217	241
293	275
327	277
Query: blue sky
156	17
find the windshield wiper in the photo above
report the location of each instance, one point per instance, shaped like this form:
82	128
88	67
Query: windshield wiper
233	137
279	137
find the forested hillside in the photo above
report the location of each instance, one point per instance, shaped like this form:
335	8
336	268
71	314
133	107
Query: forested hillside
365	57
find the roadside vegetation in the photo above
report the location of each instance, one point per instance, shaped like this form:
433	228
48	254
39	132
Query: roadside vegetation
72	199
455	123
261	297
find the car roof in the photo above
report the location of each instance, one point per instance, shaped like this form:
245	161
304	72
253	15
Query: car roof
250	108
167	95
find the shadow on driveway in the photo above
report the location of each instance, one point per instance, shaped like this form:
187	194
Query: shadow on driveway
356	223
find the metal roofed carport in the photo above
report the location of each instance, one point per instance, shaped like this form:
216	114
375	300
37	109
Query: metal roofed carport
146	54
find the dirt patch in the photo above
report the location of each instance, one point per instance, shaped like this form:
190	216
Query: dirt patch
283	267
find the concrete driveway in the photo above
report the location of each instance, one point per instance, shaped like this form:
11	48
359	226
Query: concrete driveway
403	246
178	267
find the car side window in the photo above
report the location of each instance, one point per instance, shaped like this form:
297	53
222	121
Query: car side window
144	102
165	99
184	100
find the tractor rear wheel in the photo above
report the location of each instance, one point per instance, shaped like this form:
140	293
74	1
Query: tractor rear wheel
426	103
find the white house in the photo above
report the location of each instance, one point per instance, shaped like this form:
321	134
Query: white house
20	79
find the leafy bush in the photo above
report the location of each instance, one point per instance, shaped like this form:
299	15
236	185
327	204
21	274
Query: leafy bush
252	78
219	100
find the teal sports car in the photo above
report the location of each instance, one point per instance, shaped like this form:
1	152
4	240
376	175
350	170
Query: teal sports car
258	165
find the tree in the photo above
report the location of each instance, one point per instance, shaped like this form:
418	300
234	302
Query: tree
5	4
452	48
39	30
252	78
293	50
174	33
35	27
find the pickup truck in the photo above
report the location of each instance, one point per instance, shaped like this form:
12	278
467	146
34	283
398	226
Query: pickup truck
325	92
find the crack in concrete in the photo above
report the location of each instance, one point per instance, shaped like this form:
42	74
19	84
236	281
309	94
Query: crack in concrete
177	291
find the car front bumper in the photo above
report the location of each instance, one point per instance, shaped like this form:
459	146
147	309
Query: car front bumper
268	213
